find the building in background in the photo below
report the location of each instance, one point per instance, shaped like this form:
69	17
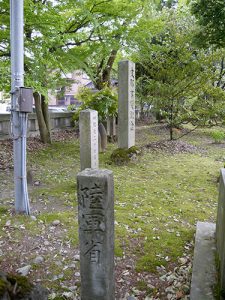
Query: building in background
65	96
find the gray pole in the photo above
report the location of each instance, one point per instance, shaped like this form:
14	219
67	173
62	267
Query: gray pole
18	119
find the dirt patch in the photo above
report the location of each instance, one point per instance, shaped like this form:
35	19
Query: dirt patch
59	264
173	147
33	144
22	242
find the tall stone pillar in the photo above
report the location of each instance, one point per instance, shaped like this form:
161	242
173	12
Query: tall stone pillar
126	110
96	234
88	126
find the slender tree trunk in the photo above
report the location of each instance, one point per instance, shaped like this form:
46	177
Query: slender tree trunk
44	107
42	119
171	121
107	71
171	132
103	77
142	113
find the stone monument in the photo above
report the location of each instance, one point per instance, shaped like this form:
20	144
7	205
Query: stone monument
220	230
88	126
126	109
111	128
96	233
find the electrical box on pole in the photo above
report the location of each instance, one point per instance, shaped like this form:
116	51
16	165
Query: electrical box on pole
25	100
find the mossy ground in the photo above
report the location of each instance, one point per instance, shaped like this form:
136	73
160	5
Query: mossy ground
122	156
16	286
158	200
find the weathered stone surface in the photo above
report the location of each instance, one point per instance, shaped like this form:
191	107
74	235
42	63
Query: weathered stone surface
99	142
126	109
204	270
38	292
111	128
220	228
96	234
24	270
56	223
38	260
88	126
103	135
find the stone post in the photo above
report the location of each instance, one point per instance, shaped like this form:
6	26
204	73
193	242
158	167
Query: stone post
88	126
96	234
220	229
126	110
111	127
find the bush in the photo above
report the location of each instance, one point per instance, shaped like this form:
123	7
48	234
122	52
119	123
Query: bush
72	107
123	156
104	101
218	136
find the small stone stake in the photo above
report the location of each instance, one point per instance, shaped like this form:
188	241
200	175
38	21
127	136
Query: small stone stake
96	234
111	128
88	126
103	134
99	142
126	109
220	225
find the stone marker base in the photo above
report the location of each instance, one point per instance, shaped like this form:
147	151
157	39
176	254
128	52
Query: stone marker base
204	270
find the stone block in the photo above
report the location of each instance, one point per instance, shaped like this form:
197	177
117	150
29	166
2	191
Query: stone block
204	269
88	126
126	105
220	228
96	234
103	135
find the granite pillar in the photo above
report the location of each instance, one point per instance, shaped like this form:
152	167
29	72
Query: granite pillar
126	108
96	234
88	126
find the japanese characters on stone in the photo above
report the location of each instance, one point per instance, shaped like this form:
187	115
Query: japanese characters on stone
132	98
96	233
93	221
94	131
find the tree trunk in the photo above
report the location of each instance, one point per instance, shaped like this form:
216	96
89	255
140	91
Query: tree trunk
142	114
171	132
107	71
171	121
44	107
103	77
42	117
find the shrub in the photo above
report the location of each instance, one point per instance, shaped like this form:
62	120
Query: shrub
218	136
104	101
122	156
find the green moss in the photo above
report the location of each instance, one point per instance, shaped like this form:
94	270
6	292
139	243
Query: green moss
143	286
3	286
122	156
159	193
66	217
118	249
134	150
20	284
3	210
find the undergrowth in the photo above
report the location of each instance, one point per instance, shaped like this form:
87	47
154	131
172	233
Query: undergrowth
158	198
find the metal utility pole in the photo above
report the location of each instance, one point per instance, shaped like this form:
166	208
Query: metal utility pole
18	116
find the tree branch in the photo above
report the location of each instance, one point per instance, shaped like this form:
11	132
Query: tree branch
186	133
